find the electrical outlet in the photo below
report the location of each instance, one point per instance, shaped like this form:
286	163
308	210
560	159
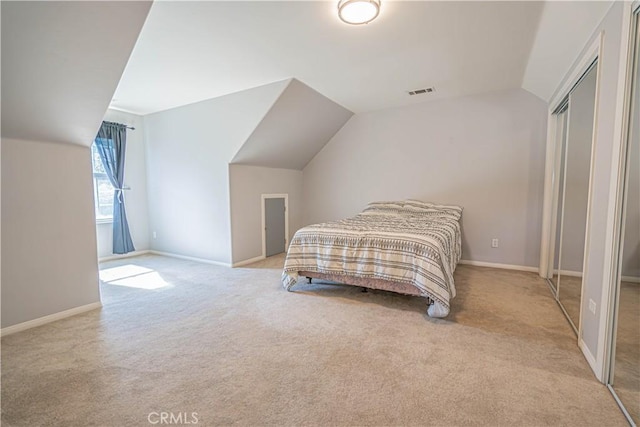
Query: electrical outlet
154	235
592	306
494	243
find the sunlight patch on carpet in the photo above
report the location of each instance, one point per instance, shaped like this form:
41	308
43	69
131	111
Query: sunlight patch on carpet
133	276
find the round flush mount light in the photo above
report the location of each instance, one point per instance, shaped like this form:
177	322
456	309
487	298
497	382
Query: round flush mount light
358	12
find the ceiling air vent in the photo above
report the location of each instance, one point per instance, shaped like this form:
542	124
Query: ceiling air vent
421	91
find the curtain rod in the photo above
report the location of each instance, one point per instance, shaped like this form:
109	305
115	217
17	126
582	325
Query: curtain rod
119	124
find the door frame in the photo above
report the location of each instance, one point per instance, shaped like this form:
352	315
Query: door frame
611	289
263	197
592	54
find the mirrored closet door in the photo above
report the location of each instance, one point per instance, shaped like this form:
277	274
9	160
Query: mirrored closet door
625	374
574	140
558	189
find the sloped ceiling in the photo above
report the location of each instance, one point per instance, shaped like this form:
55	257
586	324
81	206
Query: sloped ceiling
565	27
61	63
191	51
294	130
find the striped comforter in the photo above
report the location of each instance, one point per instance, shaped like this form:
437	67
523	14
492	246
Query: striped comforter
416	245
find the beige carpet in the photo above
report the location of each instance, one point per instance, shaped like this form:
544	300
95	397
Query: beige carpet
234	347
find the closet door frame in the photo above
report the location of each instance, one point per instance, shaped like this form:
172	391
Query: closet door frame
592	54
620	168
606	332
547	246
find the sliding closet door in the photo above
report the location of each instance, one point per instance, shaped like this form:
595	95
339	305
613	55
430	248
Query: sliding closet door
626	374
558	189
575	194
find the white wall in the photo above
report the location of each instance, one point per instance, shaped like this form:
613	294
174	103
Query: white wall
188	150
48	224
607	138
485	153
247	184
135	176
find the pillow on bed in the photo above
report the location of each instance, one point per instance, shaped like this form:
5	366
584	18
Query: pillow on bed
431	213
384	208
421	204
385	204
417	207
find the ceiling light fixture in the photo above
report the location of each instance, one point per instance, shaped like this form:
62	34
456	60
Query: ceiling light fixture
358	12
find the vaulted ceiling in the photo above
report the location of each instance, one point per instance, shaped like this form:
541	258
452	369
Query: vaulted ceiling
190	51
563	30
296	127
61	63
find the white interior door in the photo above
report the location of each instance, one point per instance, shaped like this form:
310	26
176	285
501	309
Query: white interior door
275	226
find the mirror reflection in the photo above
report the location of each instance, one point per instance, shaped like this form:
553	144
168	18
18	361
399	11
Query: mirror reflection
576	193
572	169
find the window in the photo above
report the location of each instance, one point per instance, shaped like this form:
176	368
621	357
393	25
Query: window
102	188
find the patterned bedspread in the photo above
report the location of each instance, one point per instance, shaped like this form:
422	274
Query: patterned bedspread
420	249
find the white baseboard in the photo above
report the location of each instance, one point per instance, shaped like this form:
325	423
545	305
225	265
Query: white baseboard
502	266
48	319
248	261
190	258
129	255
591	360
631	279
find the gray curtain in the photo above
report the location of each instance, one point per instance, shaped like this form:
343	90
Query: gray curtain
111	143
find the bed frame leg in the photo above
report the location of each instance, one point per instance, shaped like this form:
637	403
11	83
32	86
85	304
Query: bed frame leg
364	290
309	280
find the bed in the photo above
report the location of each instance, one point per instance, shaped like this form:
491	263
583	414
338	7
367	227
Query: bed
409	247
